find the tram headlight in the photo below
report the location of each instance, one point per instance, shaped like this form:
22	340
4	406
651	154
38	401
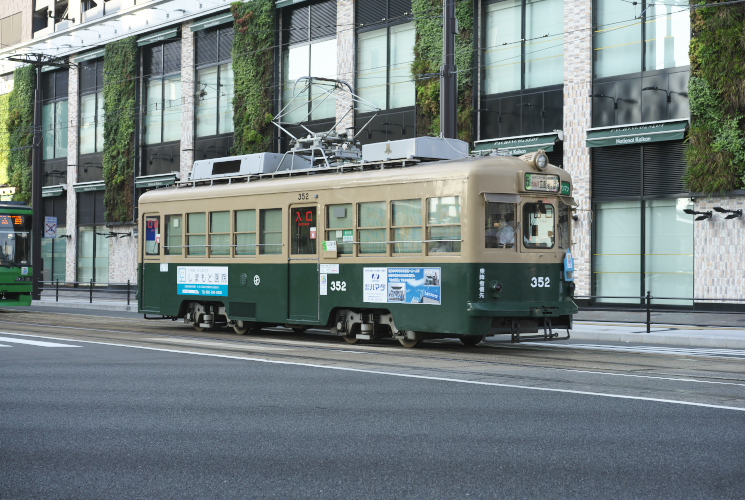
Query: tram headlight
538	160
541	161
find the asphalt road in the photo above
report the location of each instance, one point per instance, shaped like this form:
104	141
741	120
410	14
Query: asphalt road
155	410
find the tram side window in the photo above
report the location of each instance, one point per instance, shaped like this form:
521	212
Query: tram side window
562	225
196	237
406	226
174	234
220	233
340	224
500	225
371	226
539	225
443	224
152	235
270	230
245	232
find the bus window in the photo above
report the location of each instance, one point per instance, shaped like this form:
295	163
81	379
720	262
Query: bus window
174	232
500	225
539	225
152	235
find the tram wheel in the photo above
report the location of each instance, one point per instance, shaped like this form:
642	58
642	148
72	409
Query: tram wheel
198	328
350	339
410	343
299	329
241	327
471	340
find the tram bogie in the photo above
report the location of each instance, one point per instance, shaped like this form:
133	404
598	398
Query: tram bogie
460	249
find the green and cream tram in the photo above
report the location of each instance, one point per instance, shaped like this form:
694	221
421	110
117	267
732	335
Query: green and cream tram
462	248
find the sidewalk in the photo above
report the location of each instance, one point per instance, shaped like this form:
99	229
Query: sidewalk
685	328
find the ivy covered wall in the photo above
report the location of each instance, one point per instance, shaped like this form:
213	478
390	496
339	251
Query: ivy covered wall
20	126
119	97
716	151
4	139
253	71
427	62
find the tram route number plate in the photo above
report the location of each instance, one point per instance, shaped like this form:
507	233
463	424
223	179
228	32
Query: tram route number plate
542	182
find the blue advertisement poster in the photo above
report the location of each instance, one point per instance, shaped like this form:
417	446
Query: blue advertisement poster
203	281
414	285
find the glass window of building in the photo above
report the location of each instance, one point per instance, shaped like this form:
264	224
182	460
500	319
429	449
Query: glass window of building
54	114
91	106
309	35
162	86
633	36
93	241
520	55
215	84
54	250
644	246
384	58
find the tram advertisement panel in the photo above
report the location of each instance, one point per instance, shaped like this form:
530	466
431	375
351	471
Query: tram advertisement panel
410	285
203	281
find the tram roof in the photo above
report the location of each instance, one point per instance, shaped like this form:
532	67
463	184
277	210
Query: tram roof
501	166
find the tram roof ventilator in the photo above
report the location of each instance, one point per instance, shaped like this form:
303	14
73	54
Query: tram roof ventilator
329	150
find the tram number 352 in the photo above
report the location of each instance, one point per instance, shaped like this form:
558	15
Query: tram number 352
540	282
338	286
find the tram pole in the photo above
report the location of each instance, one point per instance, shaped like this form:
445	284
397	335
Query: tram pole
37	222
448	74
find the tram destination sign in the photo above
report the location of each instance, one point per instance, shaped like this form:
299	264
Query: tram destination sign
542	182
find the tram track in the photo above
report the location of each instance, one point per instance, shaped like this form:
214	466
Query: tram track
715	381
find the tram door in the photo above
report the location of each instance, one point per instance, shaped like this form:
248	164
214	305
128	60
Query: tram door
303	284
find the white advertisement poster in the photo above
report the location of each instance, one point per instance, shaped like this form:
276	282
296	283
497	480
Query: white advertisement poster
375	282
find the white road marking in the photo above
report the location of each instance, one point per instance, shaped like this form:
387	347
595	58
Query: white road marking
420	377
212	343
680	351
34	342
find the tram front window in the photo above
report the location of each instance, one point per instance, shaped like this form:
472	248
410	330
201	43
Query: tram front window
539	225
15	240
500	225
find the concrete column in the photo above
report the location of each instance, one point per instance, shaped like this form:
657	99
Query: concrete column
73	114
577	119
188	89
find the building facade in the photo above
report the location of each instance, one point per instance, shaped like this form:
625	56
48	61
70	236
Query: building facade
602	85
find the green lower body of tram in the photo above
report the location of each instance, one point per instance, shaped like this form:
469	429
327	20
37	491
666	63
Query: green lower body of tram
15	286
364	301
